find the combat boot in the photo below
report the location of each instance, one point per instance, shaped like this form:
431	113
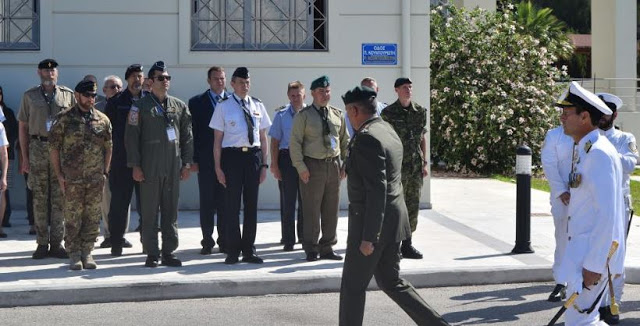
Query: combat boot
87	260
57	251
75	264
408	251
41	252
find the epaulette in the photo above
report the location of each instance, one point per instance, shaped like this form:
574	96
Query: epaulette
306	108
335	109
281	108
65	88
256	99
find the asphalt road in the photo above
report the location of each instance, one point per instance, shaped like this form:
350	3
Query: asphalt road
506	304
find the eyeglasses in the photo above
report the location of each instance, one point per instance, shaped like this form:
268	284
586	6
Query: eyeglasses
114	86
91	95
163	77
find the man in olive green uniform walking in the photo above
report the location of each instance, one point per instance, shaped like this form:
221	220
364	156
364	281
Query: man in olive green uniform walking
409	120
38	108
80	145
159	145
377	215
317	144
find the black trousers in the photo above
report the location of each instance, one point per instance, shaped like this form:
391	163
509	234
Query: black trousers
211	203
7	211
289	196
384	264
242	174
122	186
29	200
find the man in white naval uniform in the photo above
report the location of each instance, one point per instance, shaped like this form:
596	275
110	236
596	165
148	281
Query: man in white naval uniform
556	163
594	216
625	144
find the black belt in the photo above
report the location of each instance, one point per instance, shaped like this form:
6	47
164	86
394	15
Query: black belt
242	149
327	159
40	138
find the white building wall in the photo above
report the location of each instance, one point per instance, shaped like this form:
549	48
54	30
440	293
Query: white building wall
101	38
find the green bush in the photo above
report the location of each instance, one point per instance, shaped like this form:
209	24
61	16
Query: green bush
492	88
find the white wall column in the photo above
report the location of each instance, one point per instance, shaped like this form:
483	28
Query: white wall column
613	53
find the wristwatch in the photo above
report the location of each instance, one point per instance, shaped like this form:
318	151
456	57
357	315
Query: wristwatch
187	166
266	166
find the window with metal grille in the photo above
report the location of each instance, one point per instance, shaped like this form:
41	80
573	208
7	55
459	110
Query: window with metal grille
19	25
259	25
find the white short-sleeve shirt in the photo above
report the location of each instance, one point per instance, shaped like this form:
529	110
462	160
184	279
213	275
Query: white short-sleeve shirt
3	136
229	118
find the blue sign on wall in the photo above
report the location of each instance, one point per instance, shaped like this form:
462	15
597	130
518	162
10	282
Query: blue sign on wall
379	54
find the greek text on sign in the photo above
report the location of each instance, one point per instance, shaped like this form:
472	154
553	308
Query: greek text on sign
379	54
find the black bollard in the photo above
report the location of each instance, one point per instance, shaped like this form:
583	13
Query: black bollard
523	201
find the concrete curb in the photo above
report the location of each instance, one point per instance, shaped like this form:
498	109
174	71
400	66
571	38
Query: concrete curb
201	288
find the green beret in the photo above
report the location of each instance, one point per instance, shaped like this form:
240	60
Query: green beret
320	82
359	93
86	86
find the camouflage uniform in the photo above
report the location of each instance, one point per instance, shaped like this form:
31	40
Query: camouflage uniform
37	112
410	124
82	140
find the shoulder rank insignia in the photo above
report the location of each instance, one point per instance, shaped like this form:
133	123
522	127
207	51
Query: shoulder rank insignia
132	119
256	99
587	146
632	147
281	108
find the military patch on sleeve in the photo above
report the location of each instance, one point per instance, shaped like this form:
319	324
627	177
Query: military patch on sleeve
632	147
132	119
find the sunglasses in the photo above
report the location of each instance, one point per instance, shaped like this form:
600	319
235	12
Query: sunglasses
114	86
91	95
163	78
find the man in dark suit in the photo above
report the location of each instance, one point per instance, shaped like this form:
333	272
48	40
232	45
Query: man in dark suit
211	192
378	218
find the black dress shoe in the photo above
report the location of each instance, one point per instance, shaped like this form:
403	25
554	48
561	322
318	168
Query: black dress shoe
152	261
331	256
171	260
126	244
288	247
409	252
106	243
32	230
58	252
205	251
231	259
116	251
3	235
558	293
607	316
41	252
312	256
252	259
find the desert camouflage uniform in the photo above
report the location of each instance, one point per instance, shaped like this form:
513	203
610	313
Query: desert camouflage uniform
410	124
82	139
35	111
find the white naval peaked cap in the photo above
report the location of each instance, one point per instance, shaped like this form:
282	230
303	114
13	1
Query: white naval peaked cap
610	99
576	95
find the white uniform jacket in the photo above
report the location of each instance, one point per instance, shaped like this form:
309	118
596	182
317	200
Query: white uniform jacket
625	144
556	162
595	210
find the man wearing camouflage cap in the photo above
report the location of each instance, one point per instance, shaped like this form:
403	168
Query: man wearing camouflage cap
80	145
39	106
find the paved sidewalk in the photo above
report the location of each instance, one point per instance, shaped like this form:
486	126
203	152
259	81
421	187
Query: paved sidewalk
466	238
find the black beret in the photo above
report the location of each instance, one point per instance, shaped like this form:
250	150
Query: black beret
401	81
158	66
86	86
47	64
241	72
131	69
359	93
320	82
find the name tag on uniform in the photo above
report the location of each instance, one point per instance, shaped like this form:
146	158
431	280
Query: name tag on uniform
49	123
333	143
171	133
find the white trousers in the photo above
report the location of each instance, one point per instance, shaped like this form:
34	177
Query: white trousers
559	212
618	280
584	302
